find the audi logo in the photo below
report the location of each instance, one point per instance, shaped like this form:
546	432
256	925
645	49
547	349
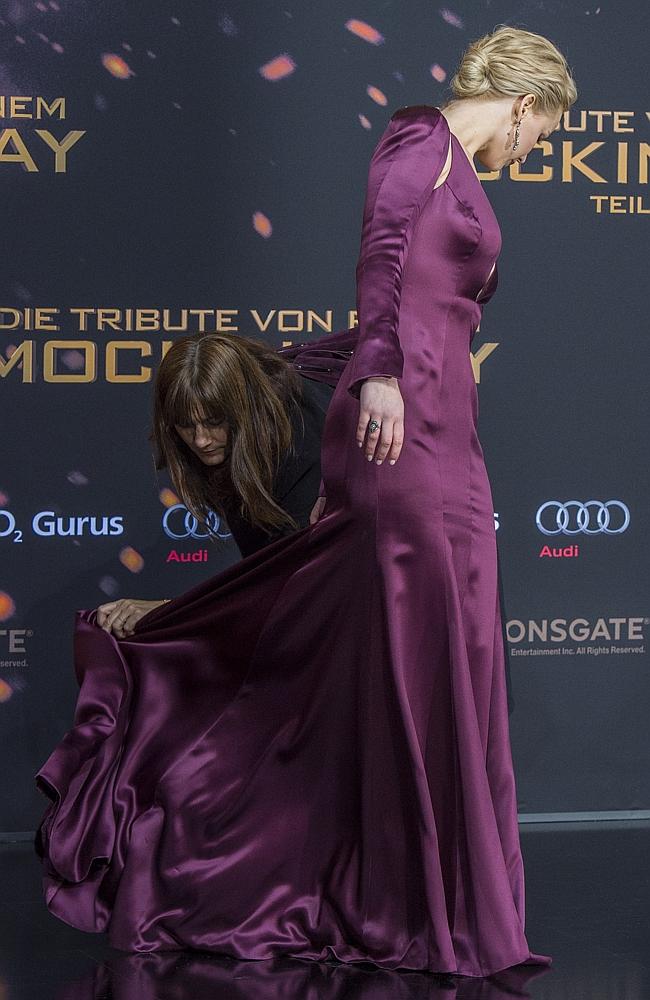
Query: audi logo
591	518
176	525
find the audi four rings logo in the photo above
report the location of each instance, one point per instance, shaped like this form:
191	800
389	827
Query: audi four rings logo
178	525
590	518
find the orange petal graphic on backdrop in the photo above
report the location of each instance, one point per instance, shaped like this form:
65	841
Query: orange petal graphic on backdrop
168	498
278	68
7	606
438	73
77	478
9	351
377	95
116	66
131	559
74	360
364	121
262	224
365	31
6	691
451	18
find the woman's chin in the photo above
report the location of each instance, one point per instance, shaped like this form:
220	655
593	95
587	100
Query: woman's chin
217	459
489	165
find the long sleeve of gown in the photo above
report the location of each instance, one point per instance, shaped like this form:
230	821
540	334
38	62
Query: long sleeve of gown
403	170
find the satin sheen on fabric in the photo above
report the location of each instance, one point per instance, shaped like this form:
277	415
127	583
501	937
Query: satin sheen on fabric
309	754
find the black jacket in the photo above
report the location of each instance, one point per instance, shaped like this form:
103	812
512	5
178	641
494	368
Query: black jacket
298	480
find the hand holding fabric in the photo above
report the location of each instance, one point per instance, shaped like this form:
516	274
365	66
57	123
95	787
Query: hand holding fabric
120	617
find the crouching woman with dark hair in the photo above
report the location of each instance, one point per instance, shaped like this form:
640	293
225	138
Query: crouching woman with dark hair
238	424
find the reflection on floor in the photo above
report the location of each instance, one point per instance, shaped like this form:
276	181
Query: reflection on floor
588	906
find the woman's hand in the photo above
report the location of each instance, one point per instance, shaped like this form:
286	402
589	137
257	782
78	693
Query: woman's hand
317	510
120	617
381	401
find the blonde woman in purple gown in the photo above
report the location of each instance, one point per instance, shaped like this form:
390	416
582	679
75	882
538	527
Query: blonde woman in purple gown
309	754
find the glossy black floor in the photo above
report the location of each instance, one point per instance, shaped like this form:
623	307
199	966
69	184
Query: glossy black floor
588	906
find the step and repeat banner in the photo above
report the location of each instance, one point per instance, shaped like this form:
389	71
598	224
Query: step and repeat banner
170	168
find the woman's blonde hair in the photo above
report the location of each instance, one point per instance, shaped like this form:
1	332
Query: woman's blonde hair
511	62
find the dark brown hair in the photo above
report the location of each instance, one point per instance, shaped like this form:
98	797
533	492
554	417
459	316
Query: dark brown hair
215	376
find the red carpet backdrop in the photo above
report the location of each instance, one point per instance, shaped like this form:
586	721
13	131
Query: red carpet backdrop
168	168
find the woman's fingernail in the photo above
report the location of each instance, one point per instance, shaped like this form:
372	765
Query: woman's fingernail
379	461
369	457
360	443
392	461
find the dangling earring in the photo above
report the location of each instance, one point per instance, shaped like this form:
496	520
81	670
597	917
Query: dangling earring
516	142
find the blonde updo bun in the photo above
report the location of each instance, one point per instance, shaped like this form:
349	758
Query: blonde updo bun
511	62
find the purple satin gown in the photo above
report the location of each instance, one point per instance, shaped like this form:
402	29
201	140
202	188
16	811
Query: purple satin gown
308	754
